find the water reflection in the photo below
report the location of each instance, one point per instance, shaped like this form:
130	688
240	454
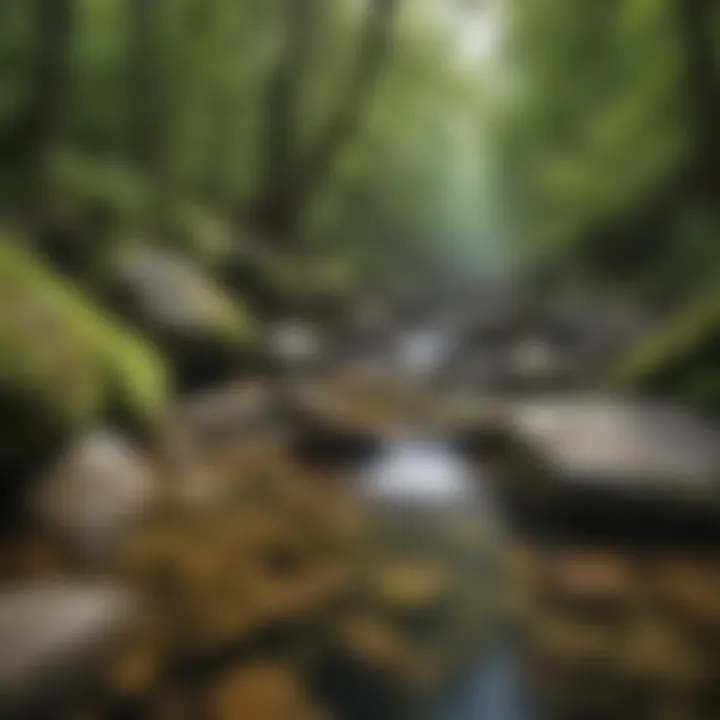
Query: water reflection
417	484
494	690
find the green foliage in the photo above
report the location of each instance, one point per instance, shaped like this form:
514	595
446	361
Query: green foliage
103	187
681	358
602	123
565	143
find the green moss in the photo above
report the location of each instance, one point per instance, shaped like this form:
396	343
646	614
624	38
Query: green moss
680	359
66	355
227	317
683	334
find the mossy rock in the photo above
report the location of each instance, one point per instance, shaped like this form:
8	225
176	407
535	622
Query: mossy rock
208	333
63	361
201	233
269	280
276	283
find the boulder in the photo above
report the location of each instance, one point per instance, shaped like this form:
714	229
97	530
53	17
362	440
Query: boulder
94	494
596	438
65	363
626	471
54	639
206	331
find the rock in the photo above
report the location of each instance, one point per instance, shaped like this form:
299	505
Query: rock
190	315
54	637
594	584
625	471
229	412
619	441
228	423
519	342
423	352
65	364
263	691
296	345
95	493
367	317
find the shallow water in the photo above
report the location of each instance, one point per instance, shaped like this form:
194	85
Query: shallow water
493	689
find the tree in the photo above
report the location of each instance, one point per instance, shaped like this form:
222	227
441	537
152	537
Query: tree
150	144
698	21
38	128
294	174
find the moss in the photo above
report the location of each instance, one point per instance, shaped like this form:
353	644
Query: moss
679	358
65	353
137	377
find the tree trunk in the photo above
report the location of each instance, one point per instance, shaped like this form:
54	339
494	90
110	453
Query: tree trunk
271	213
146	82
40	126
292	177
149	94
373	55
698	20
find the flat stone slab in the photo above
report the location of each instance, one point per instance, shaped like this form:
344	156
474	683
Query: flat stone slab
593	438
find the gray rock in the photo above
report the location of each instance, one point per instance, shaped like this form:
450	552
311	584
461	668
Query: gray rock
206	331
95	492
54	637
169	291
295	344
597	438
